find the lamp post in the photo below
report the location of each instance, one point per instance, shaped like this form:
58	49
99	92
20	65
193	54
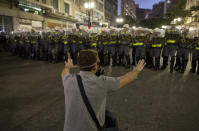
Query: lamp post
119	20
89	6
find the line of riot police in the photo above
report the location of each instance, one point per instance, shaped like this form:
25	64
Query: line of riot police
116	46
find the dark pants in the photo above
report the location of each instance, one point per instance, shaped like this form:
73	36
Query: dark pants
140	53
182	59
195	61
169	50
155	52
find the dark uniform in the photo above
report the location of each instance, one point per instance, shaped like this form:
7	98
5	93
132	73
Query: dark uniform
195	56
82	40
27	47
74	47
65	41
182	55
170	49
104	40
139	45
156	48
124	47
56	48
93	41
112	46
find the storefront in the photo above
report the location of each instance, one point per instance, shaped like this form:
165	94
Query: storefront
37	25
28	25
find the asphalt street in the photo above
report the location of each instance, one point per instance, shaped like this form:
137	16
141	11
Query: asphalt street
32	98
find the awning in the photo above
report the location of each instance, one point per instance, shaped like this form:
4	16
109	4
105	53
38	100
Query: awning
38	4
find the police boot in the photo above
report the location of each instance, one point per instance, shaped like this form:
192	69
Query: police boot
178	64
54	60
105	56
127	62
120	60
183	67
172	64
198	68
114	60
149	62
157	63
165	62
75	59
109	58
66	57
193	66
137	60
133	59
50	58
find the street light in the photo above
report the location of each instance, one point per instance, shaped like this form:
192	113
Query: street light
179	19
119	20
168	2
89	6
191	29
164	27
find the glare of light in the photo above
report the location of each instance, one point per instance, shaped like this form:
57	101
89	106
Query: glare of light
92	5
168	1
100	23
38	9
26	9
119	20
191	29
164	27
12	32
89	5
86	5
134	27
178	27
179	19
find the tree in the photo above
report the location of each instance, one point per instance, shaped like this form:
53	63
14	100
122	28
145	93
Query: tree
178	11
153	23
194	8
128	20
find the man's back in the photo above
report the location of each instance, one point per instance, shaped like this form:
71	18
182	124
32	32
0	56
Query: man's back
77	117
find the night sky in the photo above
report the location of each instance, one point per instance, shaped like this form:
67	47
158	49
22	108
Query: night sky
142	4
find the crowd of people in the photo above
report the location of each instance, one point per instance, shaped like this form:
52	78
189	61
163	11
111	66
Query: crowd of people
116	46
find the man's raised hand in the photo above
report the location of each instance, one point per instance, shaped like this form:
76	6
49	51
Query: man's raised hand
69	63
140	66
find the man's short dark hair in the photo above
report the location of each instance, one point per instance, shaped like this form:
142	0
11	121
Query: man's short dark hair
87	59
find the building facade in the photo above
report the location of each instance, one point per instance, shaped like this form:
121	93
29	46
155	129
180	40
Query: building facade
142	13
170	5
40	14
158	10
111	12
194	19
128	8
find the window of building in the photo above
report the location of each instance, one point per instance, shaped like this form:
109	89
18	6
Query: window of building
6	24
37	0
54	3
99	6
44	1
67	8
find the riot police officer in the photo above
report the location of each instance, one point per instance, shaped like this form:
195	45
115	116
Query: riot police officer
170	48
182	55
124	42
195	56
